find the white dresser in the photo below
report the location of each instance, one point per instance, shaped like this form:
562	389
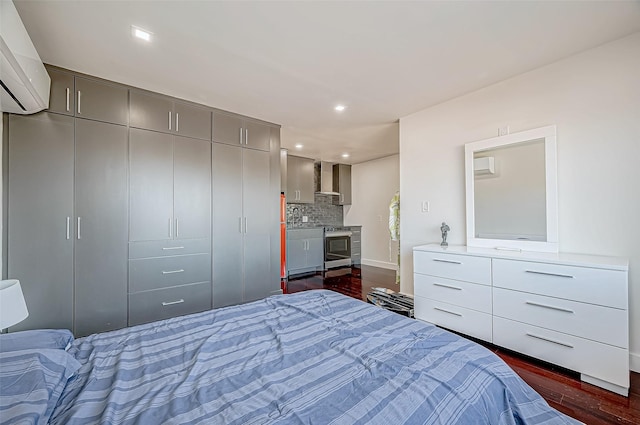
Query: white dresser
566	309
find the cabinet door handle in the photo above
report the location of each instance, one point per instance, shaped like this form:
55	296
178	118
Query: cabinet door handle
447	261
564	344
177	121
169	120
68	227
79	101
550	307
79	228
246	136
165	303
172	271
447	286
246	225
68	100
177	226
447	311
172	247
550	274
241	138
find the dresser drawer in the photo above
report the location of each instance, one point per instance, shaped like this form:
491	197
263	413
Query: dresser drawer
595	286
597	323
452	266
610	364
149	306
155	273
168	248
456	292
456	318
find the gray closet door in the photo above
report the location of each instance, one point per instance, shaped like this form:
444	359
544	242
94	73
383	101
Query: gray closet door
226	128
100	227
150	185
62	98
192	121
40	210
257	236
227	225
192	188
150	111
101	101
258	136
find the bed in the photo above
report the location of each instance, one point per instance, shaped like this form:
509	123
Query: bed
314	357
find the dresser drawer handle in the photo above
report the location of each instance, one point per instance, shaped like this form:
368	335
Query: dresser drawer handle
550	307
564	344
550	274
172	247
447	311
447	286
180	301
447	261
172	271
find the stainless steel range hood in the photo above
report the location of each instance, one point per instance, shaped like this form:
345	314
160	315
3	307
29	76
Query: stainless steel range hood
324	178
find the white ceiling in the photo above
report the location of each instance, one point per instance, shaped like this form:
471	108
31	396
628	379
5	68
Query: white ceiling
291	62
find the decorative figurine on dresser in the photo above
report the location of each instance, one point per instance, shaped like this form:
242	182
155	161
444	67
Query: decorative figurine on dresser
510	285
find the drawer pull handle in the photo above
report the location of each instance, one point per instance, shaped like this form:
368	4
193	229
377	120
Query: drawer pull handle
180	301
447	261
447	286
172	247
447	311
566	310
172	271
564	344
550	274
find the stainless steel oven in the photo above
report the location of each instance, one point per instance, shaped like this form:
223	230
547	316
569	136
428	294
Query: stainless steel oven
337	248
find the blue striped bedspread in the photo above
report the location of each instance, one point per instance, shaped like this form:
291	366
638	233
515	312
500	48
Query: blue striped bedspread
315	357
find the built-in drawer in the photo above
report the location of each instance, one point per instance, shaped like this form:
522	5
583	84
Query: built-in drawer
594	322
453	266
595	286
168	248
456	292
456	318
162	272
595	359
161	304
305	233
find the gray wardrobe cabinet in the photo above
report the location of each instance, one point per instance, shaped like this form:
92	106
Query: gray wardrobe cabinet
237	130
165	114
241	243
300	187
88	98
170	187
68	250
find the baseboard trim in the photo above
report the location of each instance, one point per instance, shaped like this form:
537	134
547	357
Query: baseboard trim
634	362
381	264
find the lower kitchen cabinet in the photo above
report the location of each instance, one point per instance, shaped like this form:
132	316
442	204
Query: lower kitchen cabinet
305	250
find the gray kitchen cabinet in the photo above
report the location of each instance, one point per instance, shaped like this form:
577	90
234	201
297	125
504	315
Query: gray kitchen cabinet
234	129
87	98
170	186
241	227
342	183
100	227
155	112
40	214
356	244
305	250
300	174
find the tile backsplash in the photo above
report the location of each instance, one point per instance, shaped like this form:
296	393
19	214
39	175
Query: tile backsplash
320	213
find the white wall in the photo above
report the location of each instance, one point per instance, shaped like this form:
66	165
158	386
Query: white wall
594	99
373	184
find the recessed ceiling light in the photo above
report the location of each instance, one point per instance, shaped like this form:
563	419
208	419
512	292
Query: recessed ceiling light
298	146
140	33
340	108
345	155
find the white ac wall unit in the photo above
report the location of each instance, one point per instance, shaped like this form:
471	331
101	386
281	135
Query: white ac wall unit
24	82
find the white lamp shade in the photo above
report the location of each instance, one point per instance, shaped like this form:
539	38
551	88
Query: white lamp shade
13	309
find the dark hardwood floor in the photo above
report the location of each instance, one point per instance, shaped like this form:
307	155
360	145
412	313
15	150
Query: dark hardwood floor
562	389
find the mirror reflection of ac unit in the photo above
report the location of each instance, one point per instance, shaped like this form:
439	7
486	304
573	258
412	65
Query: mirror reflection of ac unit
483	166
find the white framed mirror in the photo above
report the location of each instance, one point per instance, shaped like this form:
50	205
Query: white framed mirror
511	191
